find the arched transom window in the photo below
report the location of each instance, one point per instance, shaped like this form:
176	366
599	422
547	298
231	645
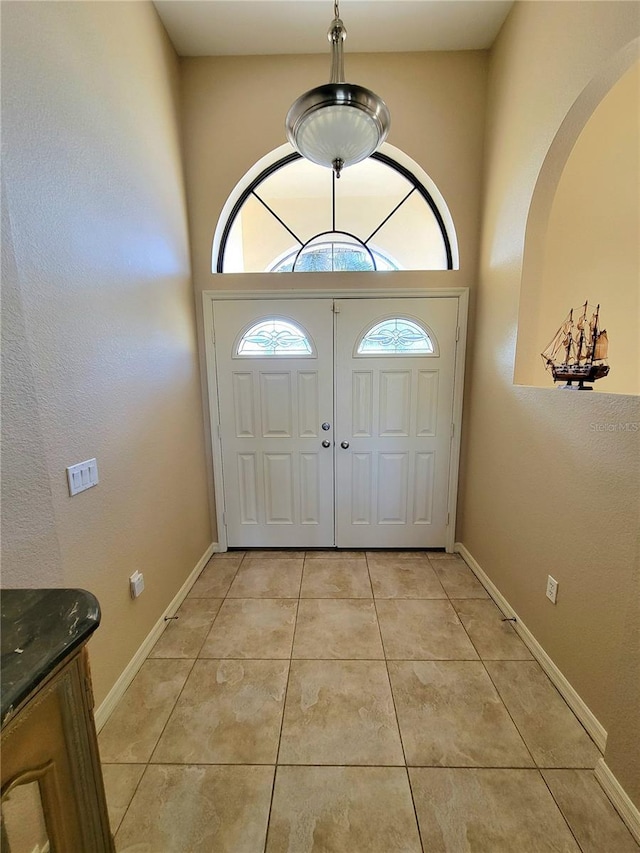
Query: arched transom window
295	216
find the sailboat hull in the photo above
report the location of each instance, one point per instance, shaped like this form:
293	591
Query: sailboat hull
578	373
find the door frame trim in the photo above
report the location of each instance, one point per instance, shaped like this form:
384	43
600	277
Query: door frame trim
210	297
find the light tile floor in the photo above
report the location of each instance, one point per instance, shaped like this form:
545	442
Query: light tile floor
348	702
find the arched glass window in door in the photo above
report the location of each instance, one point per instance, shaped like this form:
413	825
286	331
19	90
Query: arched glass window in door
274	336
397	336
295	216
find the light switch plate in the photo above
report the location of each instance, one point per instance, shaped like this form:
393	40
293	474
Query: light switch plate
82	476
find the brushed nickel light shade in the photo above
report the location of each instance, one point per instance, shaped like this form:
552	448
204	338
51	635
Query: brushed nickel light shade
338	124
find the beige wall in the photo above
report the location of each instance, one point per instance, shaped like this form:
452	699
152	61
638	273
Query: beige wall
99	352
437	104
548	485
437	113
591	250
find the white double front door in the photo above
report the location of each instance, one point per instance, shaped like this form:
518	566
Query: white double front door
335	420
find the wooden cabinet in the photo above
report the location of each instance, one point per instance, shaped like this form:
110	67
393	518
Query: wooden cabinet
49	745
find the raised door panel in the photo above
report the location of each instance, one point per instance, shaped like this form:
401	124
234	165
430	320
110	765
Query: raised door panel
362	401
276	404
243	405
393	470
310	488
361	488
308	414
424	470
248	487
394	403
427	398
278	488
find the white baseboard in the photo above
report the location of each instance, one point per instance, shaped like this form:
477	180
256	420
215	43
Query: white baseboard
571	697
106	707
620	799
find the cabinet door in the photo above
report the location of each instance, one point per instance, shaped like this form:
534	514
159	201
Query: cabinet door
52	741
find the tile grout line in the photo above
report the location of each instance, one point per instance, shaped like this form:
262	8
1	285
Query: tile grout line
522	738
395	710
147	763
275	766
527	767
560	809
173	708
284	705
224	598
135	791
531	659
498	694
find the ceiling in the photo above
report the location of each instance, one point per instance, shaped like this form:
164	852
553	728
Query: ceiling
254	27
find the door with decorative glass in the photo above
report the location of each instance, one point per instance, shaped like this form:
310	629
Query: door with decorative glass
274	363
376	475
395	364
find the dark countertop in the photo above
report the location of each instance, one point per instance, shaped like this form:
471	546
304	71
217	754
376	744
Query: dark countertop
40	627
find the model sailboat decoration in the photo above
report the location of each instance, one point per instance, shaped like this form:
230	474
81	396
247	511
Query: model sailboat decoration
578	351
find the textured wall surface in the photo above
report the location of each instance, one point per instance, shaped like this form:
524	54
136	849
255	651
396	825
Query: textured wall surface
99	349
551	482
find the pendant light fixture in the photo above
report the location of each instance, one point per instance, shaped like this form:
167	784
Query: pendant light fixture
338	124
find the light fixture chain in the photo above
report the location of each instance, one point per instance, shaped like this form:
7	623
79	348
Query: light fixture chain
336	9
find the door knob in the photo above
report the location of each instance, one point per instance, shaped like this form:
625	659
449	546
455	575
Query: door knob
326	443
344	445
326	426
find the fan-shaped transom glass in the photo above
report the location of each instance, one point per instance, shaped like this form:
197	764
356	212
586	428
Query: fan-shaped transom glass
274	337
331	256
292	206
396	336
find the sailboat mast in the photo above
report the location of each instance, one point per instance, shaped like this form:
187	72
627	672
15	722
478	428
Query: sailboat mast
582	322
595	333
569	338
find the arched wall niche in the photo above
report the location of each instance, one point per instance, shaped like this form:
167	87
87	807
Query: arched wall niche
557	275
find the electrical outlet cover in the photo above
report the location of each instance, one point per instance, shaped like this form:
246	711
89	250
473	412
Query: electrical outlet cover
136	584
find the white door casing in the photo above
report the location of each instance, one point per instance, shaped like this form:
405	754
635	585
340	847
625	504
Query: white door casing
395	484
